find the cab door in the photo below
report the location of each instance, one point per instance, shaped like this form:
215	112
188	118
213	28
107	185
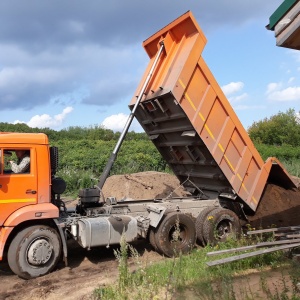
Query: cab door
16	189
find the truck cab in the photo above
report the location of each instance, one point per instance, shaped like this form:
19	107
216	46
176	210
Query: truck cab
25	198
18	190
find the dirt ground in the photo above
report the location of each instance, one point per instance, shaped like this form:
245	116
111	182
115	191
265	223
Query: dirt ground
88	270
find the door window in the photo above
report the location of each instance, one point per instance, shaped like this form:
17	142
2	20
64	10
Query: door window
16	161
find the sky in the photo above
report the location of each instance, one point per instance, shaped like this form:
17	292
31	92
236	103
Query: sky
78	63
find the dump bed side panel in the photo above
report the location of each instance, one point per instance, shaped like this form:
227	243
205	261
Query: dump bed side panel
192	124
219	128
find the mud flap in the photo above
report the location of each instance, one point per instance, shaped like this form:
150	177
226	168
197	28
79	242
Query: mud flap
64	242
156	213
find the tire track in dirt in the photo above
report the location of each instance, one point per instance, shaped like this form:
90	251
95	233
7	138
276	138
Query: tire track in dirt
87	270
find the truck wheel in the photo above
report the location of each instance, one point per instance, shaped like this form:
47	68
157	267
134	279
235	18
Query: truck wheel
220	224
199	224
34	251
176	234
152	240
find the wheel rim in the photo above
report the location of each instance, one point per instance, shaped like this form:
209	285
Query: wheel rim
39	252
224	229
177	235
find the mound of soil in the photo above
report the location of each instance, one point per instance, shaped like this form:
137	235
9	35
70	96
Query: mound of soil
144	185
278	207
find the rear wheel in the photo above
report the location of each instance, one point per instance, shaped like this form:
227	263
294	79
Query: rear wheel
34	251
176	234
152	240
199	224
220	224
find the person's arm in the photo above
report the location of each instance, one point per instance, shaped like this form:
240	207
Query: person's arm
22	167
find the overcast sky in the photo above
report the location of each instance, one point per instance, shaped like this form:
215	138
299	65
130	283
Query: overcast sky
78	63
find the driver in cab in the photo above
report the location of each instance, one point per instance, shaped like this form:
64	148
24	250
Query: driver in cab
23	163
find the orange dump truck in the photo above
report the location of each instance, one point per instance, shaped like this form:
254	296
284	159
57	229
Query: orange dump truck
186	115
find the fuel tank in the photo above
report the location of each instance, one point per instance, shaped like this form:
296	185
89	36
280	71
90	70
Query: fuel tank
103	231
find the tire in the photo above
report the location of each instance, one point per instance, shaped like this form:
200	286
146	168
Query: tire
34	251
219	225
152	240
199	224
176	234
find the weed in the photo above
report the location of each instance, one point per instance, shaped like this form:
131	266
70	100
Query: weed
187	276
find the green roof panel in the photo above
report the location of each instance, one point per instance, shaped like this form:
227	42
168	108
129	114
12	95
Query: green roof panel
280	12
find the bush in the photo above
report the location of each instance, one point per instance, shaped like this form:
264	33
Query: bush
279	129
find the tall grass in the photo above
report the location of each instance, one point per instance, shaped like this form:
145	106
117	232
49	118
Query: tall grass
76	180
292	166
189	277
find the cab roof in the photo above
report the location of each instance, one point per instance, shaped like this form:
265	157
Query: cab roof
23	138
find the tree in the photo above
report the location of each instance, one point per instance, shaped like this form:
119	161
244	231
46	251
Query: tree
279	129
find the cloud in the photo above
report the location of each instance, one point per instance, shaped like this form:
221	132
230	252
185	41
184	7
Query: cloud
117	123
45	120
232	88
288	94
49	23
273	86
27	87
278	93
33	80
238	98
56	48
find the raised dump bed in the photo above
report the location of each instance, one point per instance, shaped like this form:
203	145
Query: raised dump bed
192	124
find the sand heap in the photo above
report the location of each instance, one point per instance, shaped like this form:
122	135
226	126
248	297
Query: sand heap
278	207
144	185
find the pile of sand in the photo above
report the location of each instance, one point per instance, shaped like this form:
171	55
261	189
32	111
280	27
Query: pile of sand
278	207
144	185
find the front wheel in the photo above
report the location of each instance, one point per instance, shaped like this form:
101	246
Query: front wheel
34	251
176	234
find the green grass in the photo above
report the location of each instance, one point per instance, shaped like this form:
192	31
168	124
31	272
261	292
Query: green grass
292	166
189	277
